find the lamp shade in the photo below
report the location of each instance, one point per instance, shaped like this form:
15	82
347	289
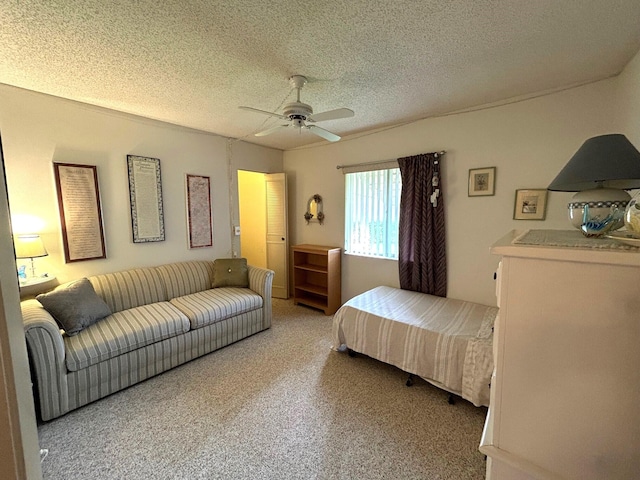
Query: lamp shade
29	246
605	161
600	171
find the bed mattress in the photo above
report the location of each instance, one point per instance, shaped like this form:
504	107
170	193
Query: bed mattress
445	341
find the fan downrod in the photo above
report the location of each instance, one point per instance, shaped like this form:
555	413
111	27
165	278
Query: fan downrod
298	111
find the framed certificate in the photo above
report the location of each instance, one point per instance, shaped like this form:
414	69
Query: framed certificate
145	195
199	227
80	211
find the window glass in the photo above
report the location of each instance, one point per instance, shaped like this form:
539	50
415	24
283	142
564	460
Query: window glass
372	207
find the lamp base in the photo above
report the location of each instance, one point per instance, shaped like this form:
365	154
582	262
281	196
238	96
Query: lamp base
598	211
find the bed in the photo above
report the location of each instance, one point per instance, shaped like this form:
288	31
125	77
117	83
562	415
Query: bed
447	342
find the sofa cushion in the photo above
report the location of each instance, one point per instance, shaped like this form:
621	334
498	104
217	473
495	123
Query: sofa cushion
130	288
123	332
215	305
185	278
230	272
74	305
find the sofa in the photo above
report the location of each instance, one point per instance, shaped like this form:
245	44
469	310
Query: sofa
156	318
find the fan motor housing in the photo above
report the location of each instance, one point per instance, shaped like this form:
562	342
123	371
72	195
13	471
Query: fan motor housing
297	111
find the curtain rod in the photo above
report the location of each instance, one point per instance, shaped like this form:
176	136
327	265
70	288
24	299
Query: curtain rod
437	154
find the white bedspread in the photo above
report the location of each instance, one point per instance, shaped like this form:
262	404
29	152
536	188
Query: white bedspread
445	341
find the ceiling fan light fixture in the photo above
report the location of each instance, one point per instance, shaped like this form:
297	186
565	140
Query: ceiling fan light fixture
298	113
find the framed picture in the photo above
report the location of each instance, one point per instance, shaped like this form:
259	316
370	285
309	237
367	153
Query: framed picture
482	181
530	204
199	228
80	212
145	195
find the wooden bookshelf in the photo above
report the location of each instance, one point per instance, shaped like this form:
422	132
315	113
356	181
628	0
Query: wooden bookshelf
317	277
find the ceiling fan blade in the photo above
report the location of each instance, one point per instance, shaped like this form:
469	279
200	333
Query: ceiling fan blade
331	115
264	112
321	132
269	131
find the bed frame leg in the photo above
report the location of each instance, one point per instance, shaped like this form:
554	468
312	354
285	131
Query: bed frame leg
351	352
452	399
410	380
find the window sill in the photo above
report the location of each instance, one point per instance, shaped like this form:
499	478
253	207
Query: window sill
375	257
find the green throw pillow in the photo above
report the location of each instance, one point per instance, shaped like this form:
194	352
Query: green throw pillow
230	272
74	305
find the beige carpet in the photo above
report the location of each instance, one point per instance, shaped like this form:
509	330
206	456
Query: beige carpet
278	405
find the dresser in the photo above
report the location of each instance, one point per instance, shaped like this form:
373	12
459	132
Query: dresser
565	394
317	277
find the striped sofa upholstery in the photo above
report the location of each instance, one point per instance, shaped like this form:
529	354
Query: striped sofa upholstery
161	317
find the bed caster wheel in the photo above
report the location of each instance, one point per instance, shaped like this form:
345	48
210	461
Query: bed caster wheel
451	400
409	381
351	353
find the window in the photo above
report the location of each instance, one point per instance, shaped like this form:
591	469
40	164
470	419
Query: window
372	207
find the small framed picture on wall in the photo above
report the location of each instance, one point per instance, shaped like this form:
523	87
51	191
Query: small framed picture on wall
482	181
530	204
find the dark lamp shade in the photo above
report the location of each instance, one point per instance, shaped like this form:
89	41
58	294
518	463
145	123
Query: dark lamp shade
603	161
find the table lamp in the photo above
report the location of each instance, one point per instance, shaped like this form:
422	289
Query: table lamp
30	246
600	171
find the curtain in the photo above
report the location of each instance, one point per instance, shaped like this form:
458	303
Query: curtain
422	256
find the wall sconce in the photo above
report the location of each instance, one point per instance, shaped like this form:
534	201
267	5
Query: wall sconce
29	246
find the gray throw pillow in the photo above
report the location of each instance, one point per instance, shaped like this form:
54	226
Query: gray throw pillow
230	272
74	305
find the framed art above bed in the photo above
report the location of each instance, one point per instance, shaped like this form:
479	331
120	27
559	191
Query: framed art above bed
530	204
482	181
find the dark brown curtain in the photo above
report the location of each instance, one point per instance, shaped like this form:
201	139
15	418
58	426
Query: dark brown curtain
422	255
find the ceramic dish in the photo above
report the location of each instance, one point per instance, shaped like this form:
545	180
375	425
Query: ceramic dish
626	238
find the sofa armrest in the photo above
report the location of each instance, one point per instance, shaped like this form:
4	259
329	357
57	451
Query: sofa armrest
47	355
261	282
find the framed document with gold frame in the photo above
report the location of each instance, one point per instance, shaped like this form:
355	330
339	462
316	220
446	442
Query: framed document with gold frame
80	211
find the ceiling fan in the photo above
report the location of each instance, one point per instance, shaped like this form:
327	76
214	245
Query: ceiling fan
300	115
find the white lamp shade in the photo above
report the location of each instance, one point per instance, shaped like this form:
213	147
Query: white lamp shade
29	246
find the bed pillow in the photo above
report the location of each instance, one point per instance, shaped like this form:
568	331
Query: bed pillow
74	306
230	272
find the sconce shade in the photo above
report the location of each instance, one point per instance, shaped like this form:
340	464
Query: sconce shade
29	246
605	161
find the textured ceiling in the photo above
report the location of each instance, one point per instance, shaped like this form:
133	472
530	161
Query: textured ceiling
194	62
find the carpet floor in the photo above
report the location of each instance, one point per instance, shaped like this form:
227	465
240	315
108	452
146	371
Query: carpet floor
280	404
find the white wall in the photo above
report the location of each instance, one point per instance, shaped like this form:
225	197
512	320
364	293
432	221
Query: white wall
628	101
38	130
528	142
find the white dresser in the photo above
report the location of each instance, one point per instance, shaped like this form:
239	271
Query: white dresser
565	397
